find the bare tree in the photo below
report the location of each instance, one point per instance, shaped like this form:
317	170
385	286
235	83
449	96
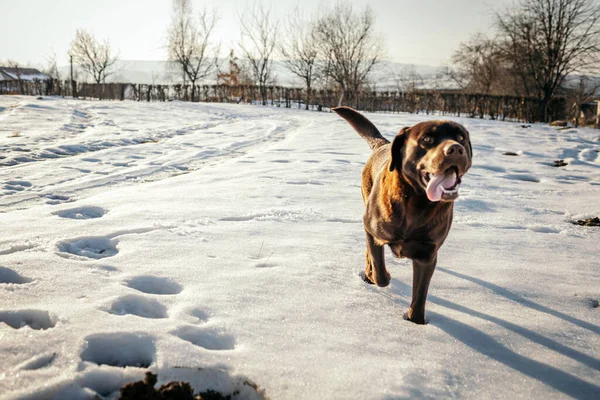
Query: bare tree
407	79
349	47
189	42
547	40
300	49
155	77
479	64
54	83
458	76
409	82
52	67
258	41
95	58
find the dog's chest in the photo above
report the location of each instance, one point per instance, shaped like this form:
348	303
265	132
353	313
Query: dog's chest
403	228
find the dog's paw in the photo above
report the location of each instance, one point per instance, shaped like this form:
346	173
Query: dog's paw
365	278
408	316
384	282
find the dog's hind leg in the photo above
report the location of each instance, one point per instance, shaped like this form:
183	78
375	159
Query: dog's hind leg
375	271
367	274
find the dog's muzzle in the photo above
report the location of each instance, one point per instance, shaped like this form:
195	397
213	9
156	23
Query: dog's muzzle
442	182
442	185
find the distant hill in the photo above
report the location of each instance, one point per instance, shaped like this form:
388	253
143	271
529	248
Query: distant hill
163	72
384	77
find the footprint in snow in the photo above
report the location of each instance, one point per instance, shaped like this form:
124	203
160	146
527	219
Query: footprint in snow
35	319
492	168
95	247
154	285
589	155
137	305
345	220
576	178
467	204
304	182
209	339
120	349
522	177
12	277
543	229
265	265
54	199
17	186
90	247
238	219
200	314
81	213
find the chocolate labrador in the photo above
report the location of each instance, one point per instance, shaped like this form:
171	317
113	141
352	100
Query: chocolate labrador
409	187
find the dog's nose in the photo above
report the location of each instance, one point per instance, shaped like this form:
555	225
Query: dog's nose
454	148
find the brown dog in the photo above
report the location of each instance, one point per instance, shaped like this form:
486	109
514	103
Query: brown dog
409	188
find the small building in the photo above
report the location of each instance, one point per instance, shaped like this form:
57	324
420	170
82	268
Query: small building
21	74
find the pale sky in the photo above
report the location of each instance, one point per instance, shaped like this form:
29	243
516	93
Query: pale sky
415	31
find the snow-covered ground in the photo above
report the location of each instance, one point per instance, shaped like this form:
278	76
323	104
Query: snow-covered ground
221	244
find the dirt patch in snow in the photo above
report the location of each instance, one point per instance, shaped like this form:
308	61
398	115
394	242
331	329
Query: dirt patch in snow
169	391
588	222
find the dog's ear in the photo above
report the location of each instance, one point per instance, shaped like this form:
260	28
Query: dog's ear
396	152
470	147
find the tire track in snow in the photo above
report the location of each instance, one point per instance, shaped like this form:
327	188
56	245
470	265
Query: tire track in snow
169	158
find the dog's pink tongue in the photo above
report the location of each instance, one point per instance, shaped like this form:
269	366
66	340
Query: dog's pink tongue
438	182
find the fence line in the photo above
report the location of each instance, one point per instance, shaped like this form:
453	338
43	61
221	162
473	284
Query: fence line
512	108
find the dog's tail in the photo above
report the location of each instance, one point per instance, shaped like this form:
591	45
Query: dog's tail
363	126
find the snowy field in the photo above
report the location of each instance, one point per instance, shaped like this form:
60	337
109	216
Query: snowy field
221	244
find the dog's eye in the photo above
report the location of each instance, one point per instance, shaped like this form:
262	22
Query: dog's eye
460	138
427	139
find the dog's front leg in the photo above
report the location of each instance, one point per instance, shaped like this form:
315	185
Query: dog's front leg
422	273
375	270
424	256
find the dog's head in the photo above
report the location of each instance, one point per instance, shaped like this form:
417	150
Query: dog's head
433	156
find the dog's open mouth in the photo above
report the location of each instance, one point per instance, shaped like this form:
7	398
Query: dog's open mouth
442	185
